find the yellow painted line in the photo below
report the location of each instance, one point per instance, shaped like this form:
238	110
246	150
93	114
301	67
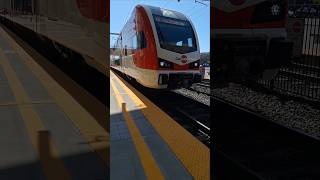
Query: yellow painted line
138	102
149	165
117	94
92	132
194	155
52	169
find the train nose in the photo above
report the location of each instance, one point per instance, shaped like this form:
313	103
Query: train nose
178	80
197	78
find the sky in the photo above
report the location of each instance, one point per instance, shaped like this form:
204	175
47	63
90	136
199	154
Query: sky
120	11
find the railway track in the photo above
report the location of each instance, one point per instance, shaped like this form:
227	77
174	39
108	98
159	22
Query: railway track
249	146
202	88
192	115
204	84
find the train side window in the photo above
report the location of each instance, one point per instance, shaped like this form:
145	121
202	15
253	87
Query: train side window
125	50
179	43
190	44
24	7
142	42
134	42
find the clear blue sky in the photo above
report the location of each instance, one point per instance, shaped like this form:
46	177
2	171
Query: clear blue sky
120	10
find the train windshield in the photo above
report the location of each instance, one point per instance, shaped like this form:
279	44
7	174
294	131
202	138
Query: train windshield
175	35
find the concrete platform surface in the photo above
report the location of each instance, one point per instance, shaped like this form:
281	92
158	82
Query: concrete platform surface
145	143
44	132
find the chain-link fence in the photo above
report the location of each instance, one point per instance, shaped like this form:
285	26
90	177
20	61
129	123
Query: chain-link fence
302	77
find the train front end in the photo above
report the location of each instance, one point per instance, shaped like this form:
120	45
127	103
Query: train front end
249	39
177	49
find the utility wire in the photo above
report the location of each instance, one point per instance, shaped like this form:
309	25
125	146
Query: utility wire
201	9
201	2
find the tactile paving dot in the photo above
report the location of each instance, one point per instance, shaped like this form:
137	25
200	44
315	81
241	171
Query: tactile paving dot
119	131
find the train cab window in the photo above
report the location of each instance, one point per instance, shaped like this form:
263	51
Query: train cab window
175	34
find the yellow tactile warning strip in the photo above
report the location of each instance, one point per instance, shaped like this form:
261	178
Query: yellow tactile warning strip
194	155
91	131
150	166
53	168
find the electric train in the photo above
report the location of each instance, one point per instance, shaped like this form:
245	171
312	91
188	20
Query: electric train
249	39
159	48
79	26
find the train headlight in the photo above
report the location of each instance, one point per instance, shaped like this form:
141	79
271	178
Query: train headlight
163	79
195	64
275	9
165	64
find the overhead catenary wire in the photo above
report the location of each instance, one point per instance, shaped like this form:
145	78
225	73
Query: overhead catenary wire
198	10
201	2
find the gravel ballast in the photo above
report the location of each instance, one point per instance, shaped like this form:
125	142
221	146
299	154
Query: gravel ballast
295	115
200	97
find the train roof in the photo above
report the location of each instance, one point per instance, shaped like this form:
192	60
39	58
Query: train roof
165	12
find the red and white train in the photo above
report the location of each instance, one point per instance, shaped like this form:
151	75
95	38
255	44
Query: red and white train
159	48
71	25
248	38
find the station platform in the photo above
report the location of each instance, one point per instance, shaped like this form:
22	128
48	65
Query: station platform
146	143
44	132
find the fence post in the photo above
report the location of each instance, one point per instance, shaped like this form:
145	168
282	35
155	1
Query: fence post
271	85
